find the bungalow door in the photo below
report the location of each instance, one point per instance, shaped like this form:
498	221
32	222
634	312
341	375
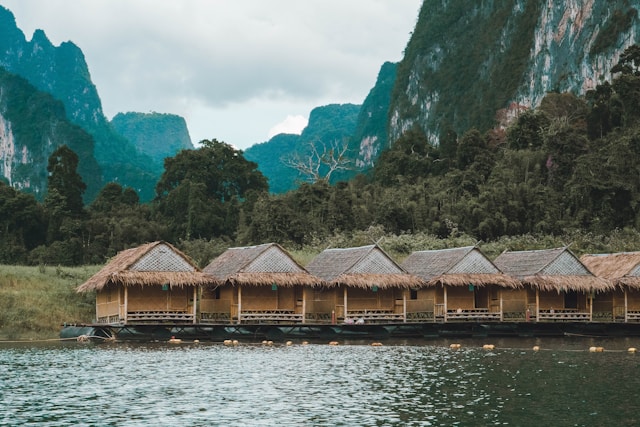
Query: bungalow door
481	296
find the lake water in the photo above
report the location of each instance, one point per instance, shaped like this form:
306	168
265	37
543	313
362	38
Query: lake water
403	383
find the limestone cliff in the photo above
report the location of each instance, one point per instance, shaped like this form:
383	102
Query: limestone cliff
468	59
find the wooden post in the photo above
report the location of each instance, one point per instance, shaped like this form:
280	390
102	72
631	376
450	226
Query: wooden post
590	302
345	302
404	306
304	304
625	305
126	303
445	303
195	305
537	304
501	312
239	303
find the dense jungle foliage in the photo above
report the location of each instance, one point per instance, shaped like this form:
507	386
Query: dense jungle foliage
566	172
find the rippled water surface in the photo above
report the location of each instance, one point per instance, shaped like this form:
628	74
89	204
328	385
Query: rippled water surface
399	384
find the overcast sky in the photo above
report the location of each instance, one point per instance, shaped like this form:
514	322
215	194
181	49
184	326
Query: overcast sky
239	71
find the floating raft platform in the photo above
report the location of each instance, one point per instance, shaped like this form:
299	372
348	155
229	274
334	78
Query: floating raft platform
280	332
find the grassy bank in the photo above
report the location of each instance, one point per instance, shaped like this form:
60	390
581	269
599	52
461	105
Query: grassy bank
36	301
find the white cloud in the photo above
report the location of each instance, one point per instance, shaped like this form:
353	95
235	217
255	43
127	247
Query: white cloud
292	124
228	66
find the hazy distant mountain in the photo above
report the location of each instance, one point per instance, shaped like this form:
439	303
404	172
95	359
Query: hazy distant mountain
327	125
154	134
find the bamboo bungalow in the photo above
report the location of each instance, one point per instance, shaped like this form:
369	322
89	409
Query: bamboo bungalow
366	285
462	284
153	283
257	284
623	271
559	286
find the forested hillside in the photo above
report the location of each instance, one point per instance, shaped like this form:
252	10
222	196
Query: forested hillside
563	173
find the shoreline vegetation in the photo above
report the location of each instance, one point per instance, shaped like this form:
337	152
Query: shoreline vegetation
35	301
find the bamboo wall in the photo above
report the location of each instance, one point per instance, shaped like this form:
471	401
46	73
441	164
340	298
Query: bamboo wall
424	301
515	300
633	300
324	300
367	299
551	300
460	297
107	303
227	297
153	298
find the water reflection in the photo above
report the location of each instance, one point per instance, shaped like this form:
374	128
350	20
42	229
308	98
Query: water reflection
404	383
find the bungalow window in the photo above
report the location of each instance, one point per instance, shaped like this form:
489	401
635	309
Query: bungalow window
216	293
413	294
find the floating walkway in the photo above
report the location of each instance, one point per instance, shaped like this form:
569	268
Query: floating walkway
280	332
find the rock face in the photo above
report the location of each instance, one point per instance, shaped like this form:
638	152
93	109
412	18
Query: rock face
32	126
154	134
62	72
467	60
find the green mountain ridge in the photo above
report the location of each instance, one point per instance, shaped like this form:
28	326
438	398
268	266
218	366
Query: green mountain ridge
156	135
327	125
62	71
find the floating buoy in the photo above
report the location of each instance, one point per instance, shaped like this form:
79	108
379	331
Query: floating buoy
196	341
305	342
376	344
455	346
234	342
174	340
596	349
82	338
632	350
264	342
288	343
269	343
536	348
488	346
333	342
227	342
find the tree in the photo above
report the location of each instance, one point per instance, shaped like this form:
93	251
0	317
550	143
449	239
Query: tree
321	161
199	191
627	83
65	180
221	168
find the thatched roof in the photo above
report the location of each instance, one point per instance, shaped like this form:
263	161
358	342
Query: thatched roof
621	269
153	264
259	265
364	267
550	269
457	267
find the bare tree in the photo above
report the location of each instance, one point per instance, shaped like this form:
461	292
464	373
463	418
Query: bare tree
321	161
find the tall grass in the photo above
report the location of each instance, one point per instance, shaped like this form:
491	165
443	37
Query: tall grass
36	301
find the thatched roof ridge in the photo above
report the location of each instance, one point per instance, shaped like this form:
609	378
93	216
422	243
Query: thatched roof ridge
526	263
382	281
432	263
237	266
480	280
618	268
568	283
267	279
531	268
118	271
356	267
333	262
